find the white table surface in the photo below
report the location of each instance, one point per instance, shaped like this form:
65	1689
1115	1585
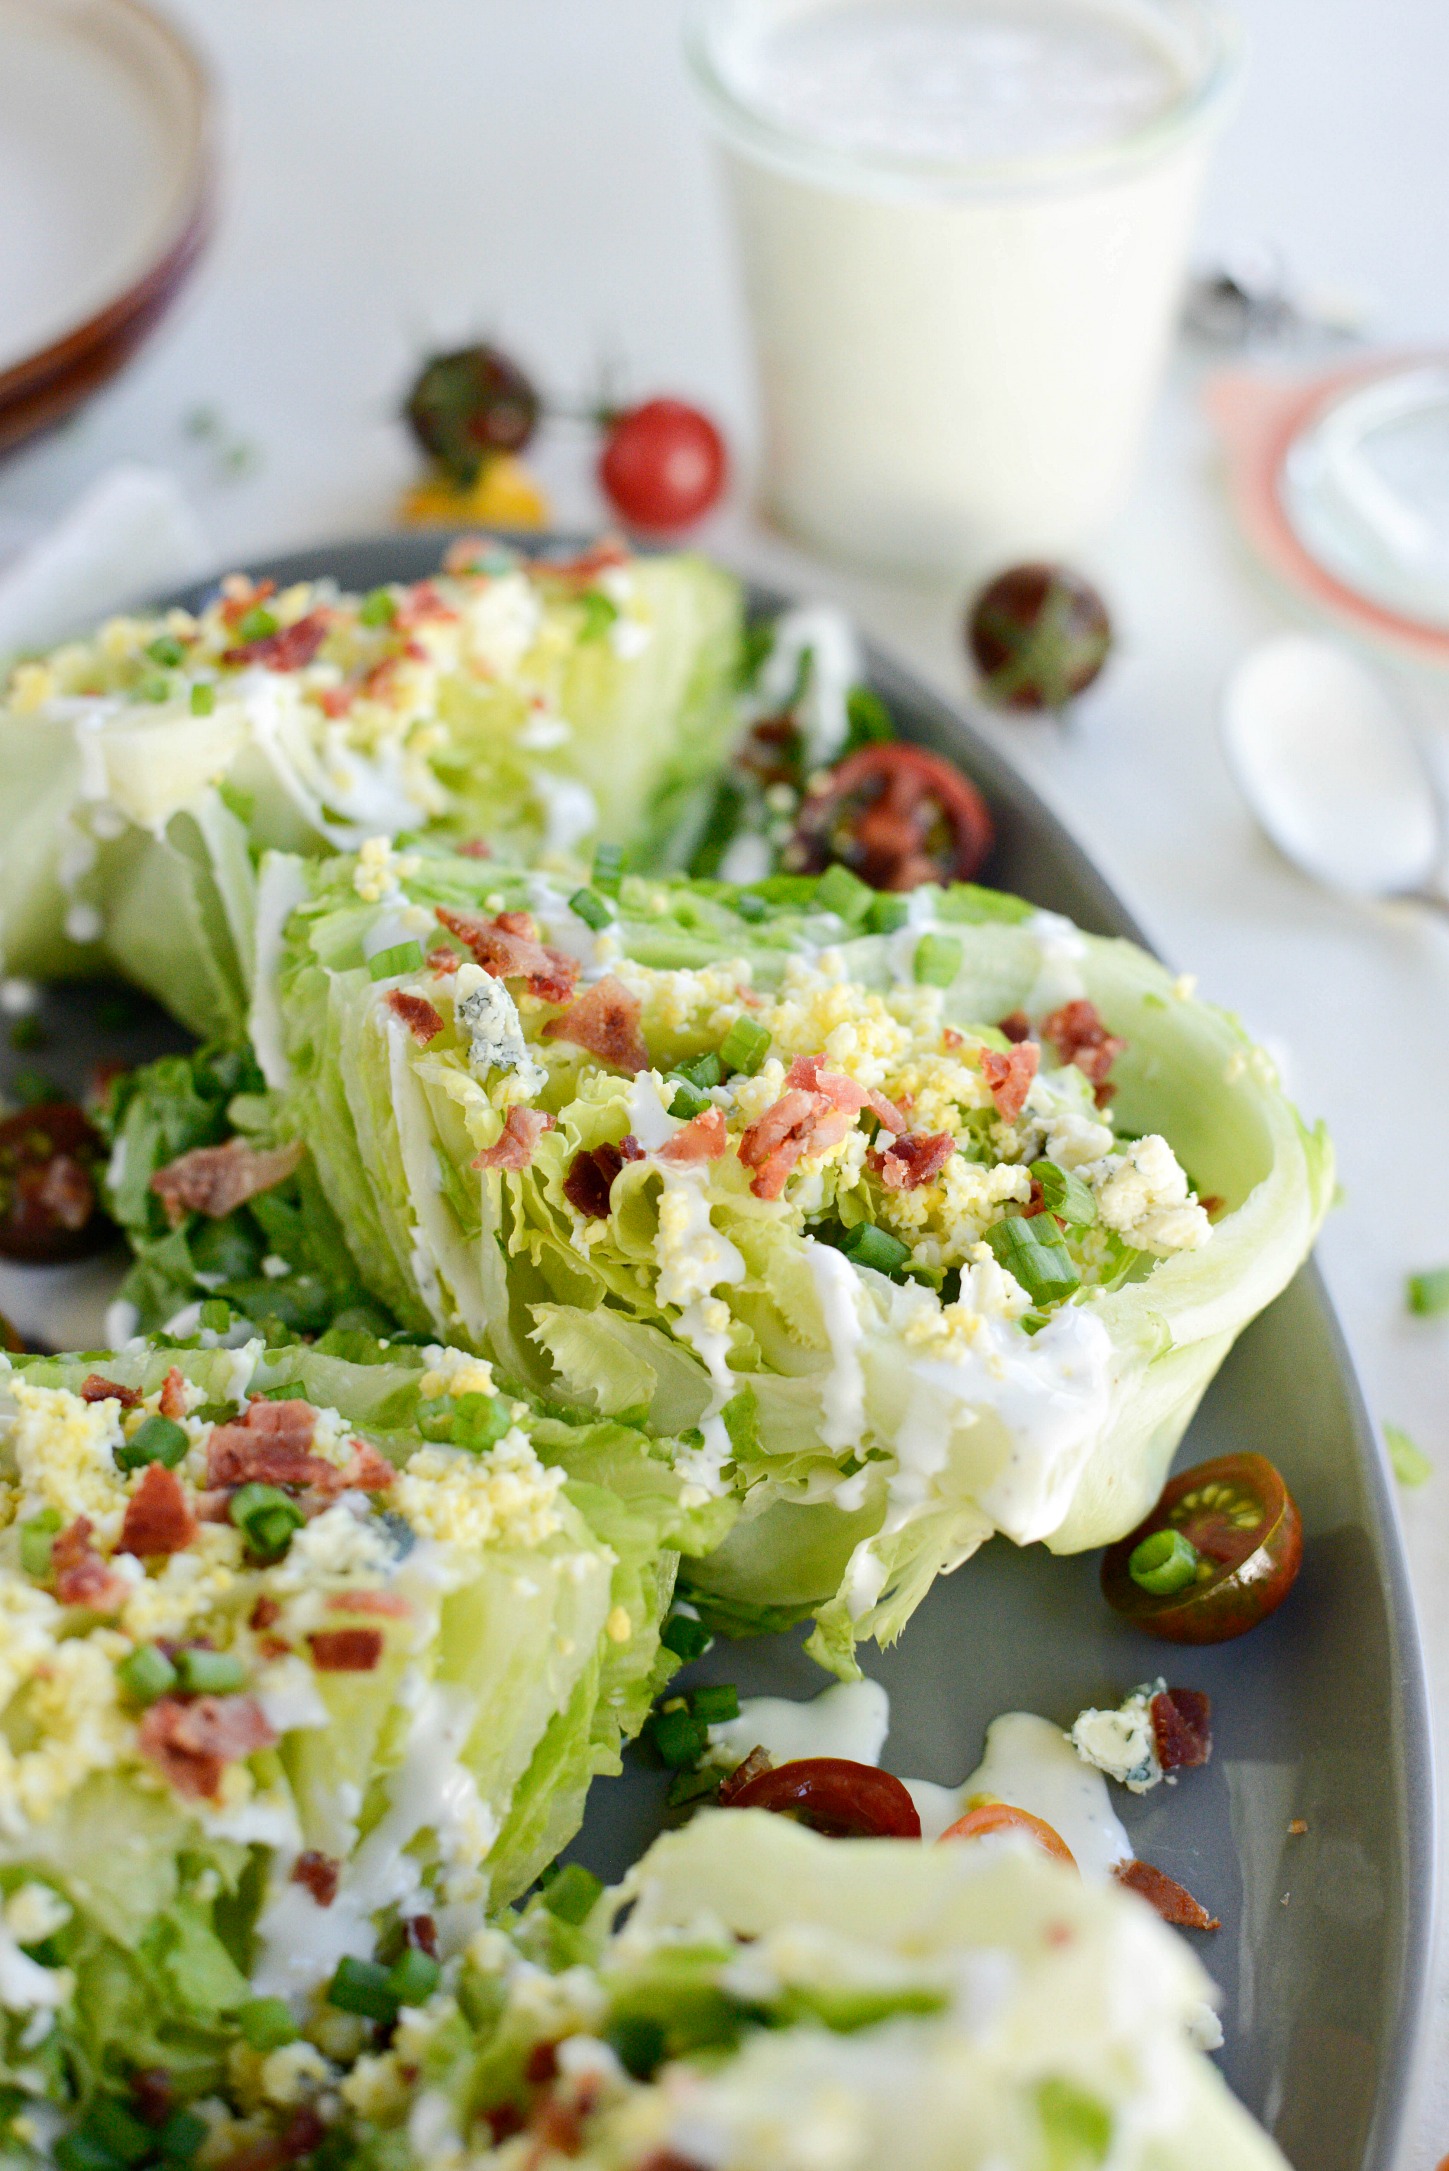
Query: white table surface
407	171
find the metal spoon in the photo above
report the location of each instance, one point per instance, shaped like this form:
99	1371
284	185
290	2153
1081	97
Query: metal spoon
1331	769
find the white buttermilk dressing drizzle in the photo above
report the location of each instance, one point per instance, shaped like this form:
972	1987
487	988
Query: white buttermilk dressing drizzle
1059	975
851	1720
842	1393
649	1120
281	887
835	666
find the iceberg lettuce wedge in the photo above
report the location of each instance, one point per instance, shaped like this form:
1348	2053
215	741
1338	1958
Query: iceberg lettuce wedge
858	1213
530	704
297	1647
776	1999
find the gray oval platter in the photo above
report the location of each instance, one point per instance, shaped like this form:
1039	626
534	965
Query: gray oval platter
1321	1715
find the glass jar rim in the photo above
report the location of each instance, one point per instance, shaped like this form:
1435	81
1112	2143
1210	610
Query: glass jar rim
1203	95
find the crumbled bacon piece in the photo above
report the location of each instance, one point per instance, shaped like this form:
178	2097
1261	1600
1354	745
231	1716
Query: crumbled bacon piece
192	1743
346	1650
263	1613
391	1604
82	1577
420	603
290	648
212	1180
1172	1901
153	2094
1009	1076
416	1013
951	1039
335	701
269	1447
669	2159
318	1874
474	848
95	1388
604	1021
368	1471
541	2064
423	1932
242	595
759	1760
514	1147
1182	1728
703	1138
909	1162
800	1122
172	1399
600	557
1080	1036
560	2114
158	1517
1036	1204
590	1180
508	955
808	1072
1016	1025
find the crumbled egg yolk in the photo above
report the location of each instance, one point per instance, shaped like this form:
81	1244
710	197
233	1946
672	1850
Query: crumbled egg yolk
507	1496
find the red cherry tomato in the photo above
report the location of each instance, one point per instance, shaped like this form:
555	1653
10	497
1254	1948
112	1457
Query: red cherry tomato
663	465
989	1817
835	1796
896	816
48	1209
1241	1520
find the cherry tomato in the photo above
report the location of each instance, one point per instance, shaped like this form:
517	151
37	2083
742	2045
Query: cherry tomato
1040	634
835	1796
11	1338
663	465
988	1817
896	816
48	1209
1218	1553
470	403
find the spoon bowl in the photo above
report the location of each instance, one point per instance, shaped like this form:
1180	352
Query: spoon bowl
1327	762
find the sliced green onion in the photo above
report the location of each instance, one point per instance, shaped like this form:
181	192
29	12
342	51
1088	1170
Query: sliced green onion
401	957
599	613
479	1422
155	1439
181	2136
258	625
937	960
210	1673
688	1101
362	1986
1164	1563
744	1046
266	1518
572	1892
716	1702
413	1976
267	2023
638	2042
153	687
435	1417
679	1736
751	907
118	2131
166	650
1065	1195
866	1245
868	719
1040	1262
1429	1292
887	913
608	868
378	608
78	2152
589	906
216	1314
1411	1465
686	1637
203	699
146	1673
843	892
36	1539
704	1071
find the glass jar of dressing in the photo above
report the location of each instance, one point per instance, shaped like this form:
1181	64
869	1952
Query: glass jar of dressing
964	227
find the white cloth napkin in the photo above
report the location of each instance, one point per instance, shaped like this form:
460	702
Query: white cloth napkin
132	535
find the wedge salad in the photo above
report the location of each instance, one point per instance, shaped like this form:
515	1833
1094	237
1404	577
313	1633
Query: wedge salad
545	1260
527	704
875	1202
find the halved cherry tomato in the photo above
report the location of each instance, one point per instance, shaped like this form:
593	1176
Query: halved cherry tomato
989	1817
833	1795
48	1208
663	465
1240	1520
10	1336
896	816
